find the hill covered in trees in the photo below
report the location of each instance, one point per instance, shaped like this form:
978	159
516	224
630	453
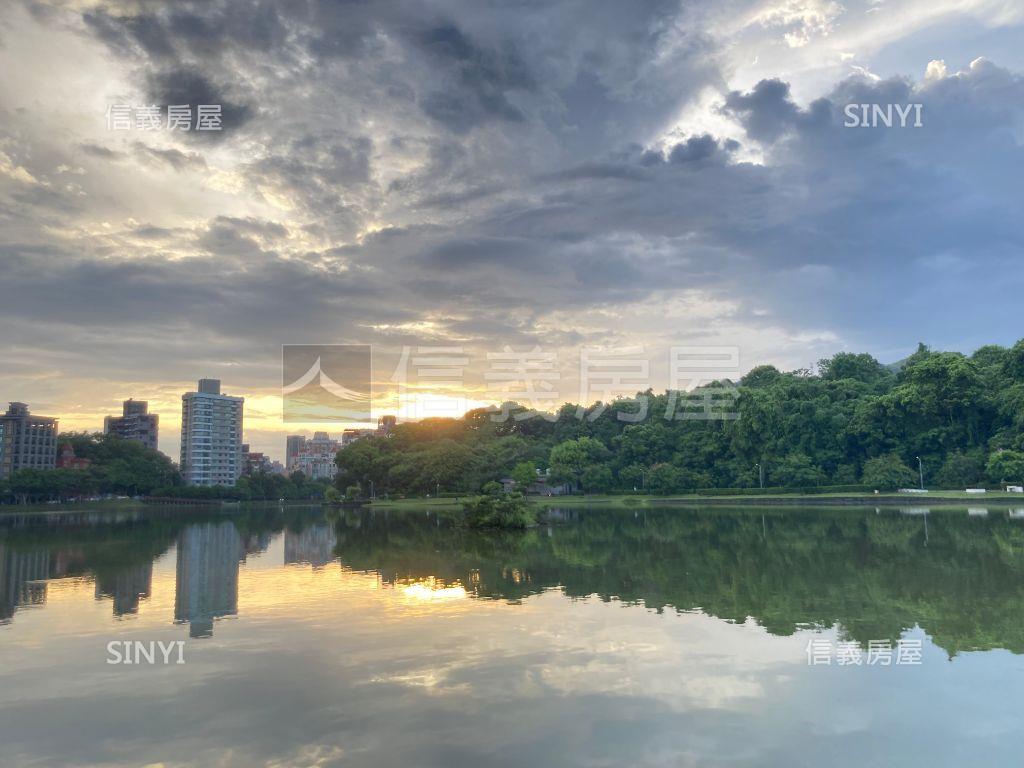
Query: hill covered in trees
852	422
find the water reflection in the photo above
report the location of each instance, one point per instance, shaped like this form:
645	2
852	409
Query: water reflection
126	587
873	573
313	544
206	586
629	637
22	579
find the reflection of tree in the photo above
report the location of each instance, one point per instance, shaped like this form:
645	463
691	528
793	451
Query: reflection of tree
873	573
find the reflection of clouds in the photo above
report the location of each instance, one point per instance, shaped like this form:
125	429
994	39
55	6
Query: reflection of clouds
330	667
435	679
683	660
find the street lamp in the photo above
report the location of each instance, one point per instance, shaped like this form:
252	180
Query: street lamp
920	471
760	475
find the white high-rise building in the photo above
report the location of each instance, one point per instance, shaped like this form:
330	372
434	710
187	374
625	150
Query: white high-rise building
211	436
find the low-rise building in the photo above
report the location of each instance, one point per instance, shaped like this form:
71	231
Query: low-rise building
68	460
542	486
314	457
26	441
254	462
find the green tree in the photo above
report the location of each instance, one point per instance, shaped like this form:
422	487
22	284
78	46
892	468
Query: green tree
525	475
847	365
795	470
961	469
570	459
1006	467
887	473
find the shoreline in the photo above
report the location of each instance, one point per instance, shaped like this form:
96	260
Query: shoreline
940	498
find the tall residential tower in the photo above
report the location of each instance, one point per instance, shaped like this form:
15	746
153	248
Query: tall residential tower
211	436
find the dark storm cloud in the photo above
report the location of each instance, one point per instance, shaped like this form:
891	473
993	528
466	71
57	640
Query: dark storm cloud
104	153
150	232
480	84
192	87
172	31
701	148
131	34
173	158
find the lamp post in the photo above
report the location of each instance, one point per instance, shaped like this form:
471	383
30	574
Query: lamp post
372	497
920	471
760	475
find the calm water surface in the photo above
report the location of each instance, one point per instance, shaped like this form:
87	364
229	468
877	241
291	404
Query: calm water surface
668	637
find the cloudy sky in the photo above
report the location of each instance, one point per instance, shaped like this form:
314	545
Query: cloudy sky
482	175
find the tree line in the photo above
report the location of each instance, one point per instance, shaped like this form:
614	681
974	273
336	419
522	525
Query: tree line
949	419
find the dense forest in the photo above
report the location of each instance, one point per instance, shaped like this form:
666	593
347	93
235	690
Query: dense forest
853	423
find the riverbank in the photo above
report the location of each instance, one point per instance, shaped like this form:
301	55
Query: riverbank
783	499
114	505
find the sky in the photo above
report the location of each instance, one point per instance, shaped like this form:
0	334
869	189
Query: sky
481	176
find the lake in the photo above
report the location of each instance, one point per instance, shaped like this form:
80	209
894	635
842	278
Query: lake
646	637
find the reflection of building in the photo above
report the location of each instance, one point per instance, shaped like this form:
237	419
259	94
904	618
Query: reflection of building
315	457
135	423
211	436
207	575
257	543
126	587
26	441
22	579
313	545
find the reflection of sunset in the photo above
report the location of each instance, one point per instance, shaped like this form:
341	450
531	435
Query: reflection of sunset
431	590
